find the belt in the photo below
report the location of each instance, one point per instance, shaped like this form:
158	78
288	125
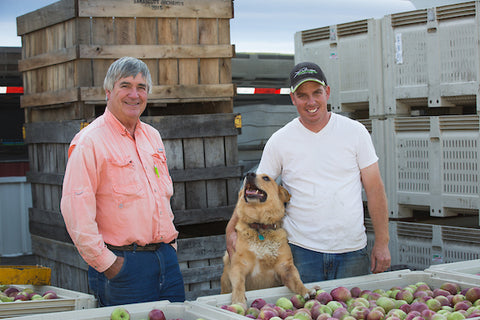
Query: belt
136	247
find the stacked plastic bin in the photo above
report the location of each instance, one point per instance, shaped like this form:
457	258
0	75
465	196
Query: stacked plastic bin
412	79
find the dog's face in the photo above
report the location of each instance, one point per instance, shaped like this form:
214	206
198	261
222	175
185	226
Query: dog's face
262	199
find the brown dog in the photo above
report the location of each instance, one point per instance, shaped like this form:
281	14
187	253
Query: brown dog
262	257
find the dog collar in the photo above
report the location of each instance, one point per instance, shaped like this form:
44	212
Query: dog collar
260	226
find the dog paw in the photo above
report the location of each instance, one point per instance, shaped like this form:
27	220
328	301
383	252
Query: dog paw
310	294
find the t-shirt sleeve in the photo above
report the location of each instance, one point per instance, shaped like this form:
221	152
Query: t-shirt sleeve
366	154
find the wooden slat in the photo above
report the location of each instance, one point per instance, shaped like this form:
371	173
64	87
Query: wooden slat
50	98
129	8
202	274
204	215
171	93
160	94
193	126
44	178
201	248
51	132
46	16
58	251
209	173
156	51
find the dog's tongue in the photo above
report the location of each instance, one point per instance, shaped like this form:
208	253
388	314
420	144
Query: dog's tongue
252	193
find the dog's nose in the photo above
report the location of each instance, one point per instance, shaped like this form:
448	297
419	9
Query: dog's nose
250	177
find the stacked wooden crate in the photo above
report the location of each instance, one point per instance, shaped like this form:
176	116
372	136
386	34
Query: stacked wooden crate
67	48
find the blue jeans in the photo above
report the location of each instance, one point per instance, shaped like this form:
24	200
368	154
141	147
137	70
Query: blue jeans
317	266
145	276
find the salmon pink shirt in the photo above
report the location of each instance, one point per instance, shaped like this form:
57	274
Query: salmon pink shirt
116	190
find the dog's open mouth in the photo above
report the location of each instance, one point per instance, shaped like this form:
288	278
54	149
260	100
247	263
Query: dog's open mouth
253	193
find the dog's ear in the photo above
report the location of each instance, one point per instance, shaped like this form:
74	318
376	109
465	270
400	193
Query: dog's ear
284	195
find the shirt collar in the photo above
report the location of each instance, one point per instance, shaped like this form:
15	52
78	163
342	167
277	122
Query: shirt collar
117	125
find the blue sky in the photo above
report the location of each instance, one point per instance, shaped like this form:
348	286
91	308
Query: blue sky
258	26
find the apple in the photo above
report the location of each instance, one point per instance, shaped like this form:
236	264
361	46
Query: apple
439	291
120	313
334	305
323	297
298	301
397	313
11	291
5	298
340	313
412	314
451	287
443	300
49	294
282	313
341	294
457	298
359	312
405	294
316	309
258	303
374	296
456	315
285	303
252	311
156	314
325	309
434	304
326	316
302	314
462	305
21	296
422	286
386	303
355	292
428	314
311	303
418	306
376	314
238	308
473	294
267	312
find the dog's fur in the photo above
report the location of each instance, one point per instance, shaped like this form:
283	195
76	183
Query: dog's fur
262	257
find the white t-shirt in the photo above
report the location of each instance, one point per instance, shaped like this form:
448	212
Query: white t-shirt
322	173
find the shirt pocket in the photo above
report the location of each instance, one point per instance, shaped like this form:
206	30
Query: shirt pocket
126	185
165	183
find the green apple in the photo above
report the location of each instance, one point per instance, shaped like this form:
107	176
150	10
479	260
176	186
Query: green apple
285	303
120	313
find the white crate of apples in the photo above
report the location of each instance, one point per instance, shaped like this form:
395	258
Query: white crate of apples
441	299
158	310
10	293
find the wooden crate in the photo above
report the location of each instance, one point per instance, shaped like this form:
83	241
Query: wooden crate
202	159
69	45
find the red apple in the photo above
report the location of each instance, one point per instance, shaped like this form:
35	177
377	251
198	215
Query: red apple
341	294
156	314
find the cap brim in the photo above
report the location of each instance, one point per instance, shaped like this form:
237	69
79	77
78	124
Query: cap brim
293	89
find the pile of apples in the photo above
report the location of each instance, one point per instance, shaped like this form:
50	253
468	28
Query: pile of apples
14	294
121	313
412	302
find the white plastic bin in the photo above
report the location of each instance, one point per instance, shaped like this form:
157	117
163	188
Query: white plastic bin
188	310
15	199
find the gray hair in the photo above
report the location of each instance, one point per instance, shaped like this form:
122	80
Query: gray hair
126	67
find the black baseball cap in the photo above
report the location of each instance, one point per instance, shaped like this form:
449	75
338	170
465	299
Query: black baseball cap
306	71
